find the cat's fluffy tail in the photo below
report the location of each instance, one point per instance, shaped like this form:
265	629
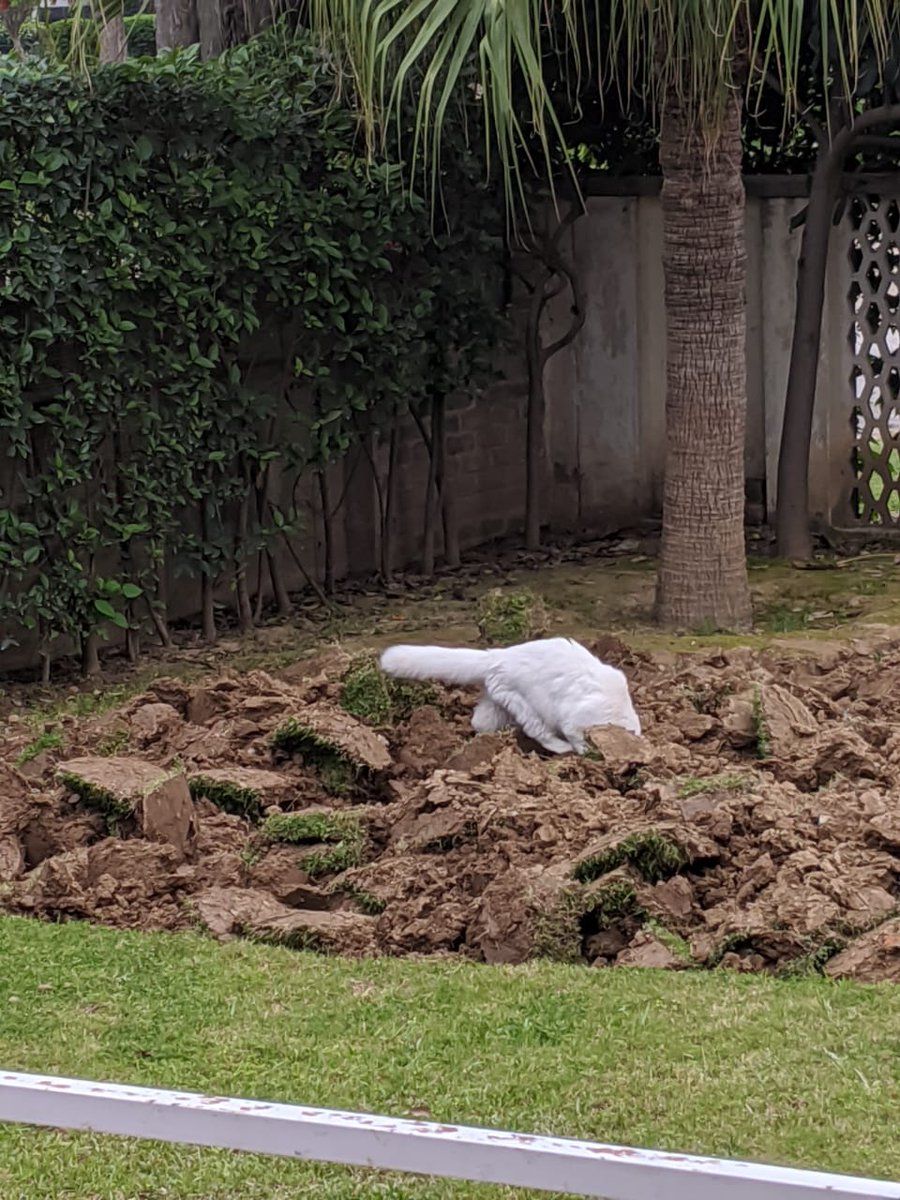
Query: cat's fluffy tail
446	665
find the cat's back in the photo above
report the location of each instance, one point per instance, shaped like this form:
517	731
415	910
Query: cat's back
547	654
554	664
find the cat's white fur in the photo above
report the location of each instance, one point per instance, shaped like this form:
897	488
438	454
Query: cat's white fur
552	690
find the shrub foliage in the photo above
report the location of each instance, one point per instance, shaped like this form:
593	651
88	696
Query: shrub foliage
202	286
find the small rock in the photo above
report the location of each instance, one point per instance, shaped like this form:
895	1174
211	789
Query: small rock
228	912
12	859
167	814
694	725
872	958
673	897
646	950
886	827
152	722
620	752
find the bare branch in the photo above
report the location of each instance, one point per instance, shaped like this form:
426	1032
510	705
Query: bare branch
818	130
885	114
579	311
875	141
774	82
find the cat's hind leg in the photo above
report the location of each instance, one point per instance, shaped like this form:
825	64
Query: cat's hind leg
489	717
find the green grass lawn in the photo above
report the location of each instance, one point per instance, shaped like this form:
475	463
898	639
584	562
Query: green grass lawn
806	1073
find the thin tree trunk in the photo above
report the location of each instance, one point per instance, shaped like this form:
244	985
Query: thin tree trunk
534	422
113	48
210	31
279	590
702	578
176	24
443	500
390	498
226	23
90	655
90	641
452	554
432	495
243	605
327	530
207	582
792	501
129	565
210	633
159	610
792	512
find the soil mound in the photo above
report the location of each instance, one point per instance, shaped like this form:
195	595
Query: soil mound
755	825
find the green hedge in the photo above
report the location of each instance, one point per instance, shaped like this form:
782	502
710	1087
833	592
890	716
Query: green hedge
39	37
169	229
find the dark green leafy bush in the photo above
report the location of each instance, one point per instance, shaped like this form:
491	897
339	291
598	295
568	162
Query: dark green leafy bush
201	283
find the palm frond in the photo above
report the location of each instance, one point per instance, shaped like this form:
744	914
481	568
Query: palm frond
696	51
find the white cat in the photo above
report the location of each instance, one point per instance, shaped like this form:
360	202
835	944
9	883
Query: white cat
551	690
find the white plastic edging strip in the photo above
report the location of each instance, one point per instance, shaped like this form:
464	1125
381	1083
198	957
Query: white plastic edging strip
451	1151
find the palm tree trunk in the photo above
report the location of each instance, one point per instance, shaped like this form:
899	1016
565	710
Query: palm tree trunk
176	24
702	579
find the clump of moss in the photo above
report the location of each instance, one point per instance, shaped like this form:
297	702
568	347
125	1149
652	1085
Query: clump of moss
731	943
507	616
813	962
293	939
708	699
678	946
240	801
710	783
97	798
50	739
557	931
301	827
114	743
443	845
338	772
372	906
339	857
653	856
760	728
251	854
342	833
560	931
612	902
371	696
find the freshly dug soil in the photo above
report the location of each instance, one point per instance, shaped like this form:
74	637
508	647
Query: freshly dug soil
754	826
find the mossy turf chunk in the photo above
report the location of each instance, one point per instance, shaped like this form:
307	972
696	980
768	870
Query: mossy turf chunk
300	827
338	772
96	797
653	856
813	963
510	615
50	739
371	696
703	785
559	930
230	797
612	900
339	857
340	839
